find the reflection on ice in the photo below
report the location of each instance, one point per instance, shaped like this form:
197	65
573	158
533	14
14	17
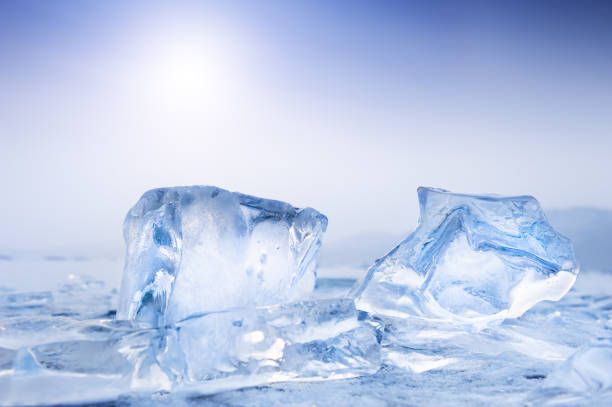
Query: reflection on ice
416	362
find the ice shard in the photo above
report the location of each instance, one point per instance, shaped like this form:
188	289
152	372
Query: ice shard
585	379
589	370
307	340
201	249
471	259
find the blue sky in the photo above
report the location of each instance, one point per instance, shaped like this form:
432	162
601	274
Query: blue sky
343	106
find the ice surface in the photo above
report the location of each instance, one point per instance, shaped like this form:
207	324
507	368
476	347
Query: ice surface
199	249
587	373
52	359
472	259
65	350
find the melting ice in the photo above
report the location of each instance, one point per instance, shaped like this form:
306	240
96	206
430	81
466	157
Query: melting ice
217	307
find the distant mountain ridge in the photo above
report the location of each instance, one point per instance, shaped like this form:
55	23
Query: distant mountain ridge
360	250
590	229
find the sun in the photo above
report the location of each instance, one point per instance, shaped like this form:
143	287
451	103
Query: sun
185	69
187	75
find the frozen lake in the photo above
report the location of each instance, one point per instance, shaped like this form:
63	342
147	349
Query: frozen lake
515	363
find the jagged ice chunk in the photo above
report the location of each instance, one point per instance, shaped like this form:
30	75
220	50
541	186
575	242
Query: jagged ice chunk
309	339
472	259
200	249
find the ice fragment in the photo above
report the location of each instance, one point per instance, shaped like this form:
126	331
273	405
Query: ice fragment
472	259
311	339
201	249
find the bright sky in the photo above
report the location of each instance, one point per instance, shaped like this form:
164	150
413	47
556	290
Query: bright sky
342	106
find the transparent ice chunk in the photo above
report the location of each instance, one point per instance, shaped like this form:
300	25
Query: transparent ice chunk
472	259
201	249
81	356
94	361
312	339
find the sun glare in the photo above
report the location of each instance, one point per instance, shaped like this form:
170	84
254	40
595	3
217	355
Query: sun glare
186	75
186	69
